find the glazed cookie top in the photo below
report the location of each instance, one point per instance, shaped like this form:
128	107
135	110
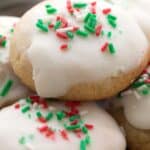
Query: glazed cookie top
34	124
10	86
76	42
136	101
140	9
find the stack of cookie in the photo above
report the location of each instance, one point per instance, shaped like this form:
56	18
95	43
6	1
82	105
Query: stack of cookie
61	57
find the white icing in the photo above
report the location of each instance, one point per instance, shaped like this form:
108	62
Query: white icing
106	135
54	71
17	90
140	9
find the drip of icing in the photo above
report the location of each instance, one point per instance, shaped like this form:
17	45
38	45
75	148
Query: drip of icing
17	90
24	133
55	71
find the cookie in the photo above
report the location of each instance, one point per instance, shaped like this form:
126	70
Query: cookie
78	50
132	113
34	123
10	86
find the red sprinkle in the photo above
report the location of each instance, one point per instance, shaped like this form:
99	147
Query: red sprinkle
98	30
106	11
49	133
43	129
74	122
51	26
64	134
93	3
89	126
147	81
62	35
17	106
104	47
69	7
63	46
42	120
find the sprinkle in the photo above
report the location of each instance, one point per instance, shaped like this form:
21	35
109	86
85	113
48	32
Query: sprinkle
112	20
60	115
89	126
87	139
28	100
104	47
79	5
87	17
50	133
64	134
98	30
70	34
25	109
93	3
69	7
49	116
109	34
57	25
38	114
82	145
106	11
72	118
62	35
51	10
84	130
137	84
89	28
43	27
3	41
63	46
82	33
42	120
112	17
72	127
17	106
22	140
111	48
6	88
43	129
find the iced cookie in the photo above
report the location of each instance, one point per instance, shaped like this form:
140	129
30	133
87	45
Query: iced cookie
78	50
33	123
10	86
133	112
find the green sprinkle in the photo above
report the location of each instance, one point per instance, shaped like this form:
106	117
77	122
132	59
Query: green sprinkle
87	139
111	48
82	33
6	88
112	23
89	16
60	115
4	43
42	26
12	30
137	84
49	116
74	118
79	5
51	10
84	130
39	114
70	34
57	25
25	109
22	140
48	6
145	91
111	17
82	145
72	127
109	34
89	28
28	100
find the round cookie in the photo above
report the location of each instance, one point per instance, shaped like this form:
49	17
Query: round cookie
140	9
78	51
10	87
133	112
33	123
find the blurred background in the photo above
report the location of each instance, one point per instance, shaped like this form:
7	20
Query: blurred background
16	7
